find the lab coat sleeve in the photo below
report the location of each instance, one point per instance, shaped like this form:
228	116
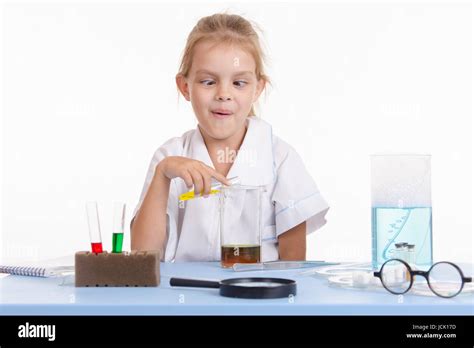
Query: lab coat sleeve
296	197
172	208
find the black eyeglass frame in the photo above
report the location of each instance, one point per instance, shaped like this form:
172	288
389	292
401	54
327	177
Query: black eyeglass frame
424	274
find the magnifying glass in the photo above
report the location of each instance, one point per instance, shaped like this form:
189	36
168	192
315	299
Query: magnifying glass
256	287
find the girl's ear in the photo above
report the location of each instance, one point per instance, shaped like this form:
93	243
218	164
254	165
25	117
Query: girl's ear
260	86
183	86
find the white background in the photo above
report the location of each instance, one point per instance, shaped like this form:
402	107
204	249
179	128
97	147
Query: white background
89	94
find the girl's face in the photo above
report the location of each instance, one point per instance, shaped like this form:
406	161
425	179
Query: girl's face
222	86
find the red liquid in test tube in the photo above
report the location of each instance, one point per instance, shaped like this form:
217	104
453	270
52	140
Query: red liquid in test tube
96	247
94	226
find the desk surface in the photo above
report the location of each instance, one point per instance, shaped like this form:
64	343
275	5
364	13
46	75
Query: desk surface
21	295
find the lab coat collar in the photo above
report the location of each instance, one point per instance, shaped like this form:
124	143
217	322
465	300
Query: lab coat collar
254	164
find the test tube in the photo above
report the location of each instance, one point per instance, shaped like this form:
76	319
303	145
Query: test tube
214	189
404	251
94	226
398	251
118	223
411	254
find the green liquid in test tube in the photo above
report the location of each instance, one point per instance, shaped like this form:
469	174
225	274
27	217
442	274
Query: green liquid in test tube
118	223
117	242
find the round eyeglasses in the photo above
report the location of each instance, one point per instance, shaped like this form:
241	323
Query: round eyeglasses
445	279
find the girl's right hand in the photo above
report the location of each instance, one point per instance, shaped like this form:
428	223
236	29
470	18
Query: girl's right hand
192	172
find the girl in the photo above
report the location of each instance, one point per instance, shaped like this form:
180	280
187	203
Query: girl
222	75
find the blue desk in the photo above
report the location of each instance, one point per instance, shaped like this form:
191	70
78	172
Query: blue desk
44	296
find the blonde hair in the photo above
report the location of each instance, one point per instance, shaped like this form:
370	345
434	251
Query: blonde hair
223	28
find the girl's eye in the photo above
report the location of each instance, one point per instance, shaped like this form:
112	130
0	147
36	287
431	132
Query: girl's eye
240	83
207	82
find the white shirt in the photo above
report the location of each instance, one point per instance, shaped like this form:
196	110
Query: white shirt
263	159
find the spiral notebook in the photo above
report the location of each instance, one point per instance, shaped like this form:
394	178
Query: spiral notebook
57	267
37	271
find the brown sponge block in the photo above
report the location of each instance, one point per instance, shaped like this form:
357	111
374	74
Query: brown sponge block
136	268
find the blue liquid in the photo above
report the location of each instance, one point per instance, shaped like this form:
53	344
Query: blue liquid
397	225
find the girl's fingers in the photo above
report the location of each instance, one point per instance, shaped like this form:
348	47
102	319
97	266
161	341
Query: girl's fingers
218	175
207	182
188	179
198	181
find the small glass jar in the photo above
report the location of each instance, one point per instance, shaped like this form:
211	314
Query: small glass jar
240	224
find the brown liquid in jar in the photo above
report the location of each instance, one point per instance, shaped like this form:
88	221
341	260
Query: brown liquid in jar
239	253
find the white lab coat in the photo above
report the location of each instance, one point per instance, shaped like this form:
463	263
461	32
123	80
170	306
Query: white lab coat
291	195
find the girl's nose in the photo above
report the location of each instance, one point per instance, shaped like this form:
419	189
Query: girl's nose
224	98
223	95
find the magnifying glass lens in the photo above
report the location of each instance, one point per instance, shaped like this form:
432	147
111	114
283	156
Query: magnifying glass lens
258	284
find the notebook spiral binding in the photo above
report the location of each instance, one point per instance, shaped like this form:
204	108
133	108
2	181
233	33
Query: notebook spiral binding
25	271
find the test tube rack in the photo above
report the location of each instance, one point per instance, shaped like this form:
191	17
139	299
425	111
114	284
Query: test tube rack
126	269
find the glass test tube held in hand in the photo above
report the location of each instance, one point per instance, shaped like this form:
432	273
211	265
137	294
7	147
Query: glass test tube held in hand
94	226
118	224
215	188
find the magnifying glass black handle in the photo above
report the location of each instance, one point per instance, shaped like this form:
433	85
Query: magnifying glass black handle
195	283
